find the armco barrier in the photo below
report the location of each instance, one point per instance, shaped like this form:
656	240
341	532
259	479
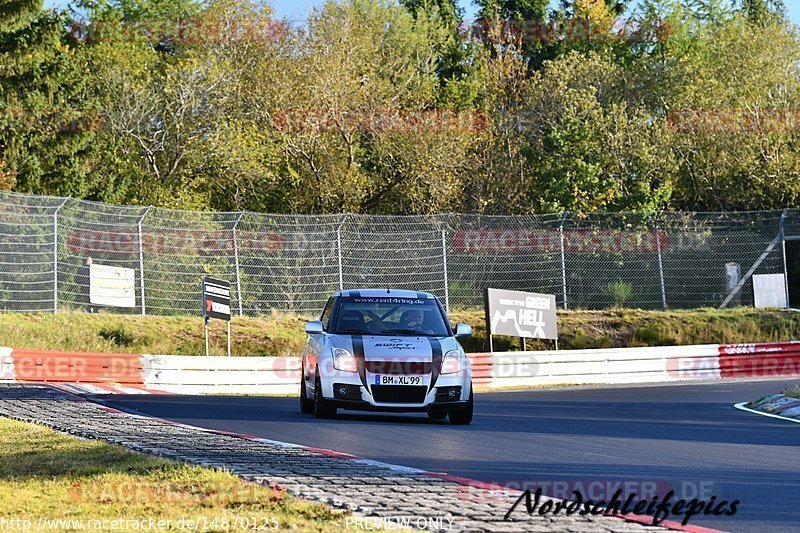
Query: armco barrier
481	369
605	366
84	367
242	375
222	375
759	360
280	375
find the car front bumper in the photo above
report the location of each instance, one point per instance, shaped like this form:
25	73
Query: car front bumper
363	397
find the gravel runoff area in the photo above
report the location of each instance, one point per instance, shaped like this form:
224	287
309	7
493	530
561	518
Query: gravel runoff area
369	490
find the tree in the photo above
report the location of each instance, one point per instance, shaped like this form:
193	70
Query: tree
592	145
710	11
733	108
358	121
456	67
447	10
532	10
46	123
760	11
498	179
589	25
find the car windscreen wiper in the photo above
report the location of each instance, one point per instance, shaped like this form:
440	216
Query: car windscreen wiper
351	332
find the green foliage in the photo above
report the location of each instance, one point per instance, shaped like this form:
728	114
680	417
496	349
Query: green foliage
513	9
762	10
619	291
589	143
742	151
710	11
464	291
393	106
45	121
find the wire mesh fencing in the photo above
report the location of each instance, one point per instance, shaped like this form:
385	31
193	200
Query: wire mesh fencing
294	262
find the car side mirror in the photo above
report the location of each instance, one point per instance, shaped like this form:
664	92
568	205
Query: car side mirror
463	330
314	327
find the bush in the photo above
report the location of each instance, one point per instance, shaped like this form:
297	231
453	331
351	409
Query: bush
619	291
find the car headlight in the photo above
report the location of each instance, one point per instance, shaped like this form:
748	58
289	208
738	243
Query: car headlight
343	360
451	362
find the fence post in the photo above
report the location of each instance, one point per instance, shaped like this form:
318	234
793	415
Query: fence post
236	260
55	256
661	263
785	266
563	258
339	250
141	257
444	262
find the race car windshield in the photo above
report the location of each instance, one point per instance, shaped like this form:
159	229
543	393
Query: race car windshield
390	316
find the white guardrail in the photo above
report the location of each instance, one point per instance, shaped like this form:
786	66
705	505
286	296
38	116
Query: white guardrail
281	375
605	366
221	375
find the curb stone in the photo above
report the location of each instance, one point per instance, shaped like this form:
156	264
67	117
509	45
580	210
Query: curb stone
774	406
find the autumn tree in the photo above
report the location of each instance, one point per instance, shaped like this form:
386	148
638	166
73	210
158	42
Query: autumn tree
733	107
592	144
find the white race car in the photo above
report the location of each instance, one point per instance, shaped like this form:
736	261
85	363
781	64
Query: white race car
386	350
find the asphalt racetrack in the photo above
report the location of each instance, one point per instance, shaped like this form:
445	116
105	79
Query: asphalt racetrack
685	437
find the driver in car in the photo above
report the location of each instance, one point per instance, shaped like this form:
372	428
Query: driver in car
414	320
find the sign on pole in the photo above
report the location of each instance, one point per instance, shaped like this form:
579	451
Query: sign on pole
112	286
216	304
216	298
521	314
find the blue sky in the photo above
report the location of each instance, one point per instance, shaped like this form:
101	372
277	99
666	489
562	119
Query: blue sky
297	9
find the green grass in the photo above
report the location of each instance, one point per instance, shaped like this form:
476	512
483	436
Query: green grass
279	334
283	334
619	328
47	474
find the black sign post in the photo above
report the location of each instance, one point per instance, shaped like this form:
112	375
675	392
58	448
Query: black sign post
216	304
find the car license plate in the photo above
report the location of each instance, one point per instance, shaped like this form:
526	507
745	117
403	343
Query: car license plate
382	379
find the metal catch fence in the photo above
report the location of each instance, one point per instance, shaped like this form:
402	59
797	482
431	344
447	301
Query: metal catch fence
294	262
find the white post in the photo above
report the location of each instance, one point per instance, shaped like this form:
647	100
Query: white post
563	259
141	257
444	261
55	256
229	338
205	333
661	267
238	277
785	265
339	251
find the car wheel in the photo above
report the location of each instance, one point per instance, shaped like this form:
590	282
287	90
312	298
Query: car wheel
306	403
437	413
322	407
463	415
